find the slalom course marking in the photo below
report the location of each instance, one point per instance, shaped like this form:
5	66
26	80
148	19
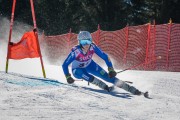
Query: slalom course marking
34	82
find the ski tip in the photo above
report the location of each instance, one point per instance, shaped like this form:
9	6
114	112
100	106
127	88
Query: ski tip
146	95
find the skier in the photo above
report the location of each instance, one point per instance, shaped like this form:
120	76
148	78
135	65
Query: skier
83	67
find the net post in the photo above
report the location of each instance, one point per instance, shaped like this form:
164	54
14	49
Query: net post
126	46
147	45
168	47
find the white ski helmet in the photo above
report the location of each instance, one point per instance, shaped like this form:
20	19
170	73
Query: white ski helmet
84	38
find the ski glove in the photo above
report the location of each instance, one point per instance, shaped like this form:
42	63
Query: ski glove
69	79
112	73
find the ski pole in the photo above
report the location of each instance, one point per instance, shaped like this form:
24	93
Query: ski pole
159	57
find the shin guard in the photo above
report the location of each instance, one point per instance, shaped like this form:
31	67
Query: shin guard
100	84
125	86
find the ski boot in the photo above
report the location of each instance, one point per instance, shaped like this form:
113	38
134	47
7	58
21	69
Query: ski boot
137	92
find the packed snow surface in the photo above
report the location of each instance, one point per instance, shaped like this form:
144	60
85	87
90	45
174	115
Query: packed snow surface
29	97
26	95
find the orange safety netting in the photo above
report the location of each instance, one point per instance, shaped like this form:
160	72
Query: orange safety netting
153	47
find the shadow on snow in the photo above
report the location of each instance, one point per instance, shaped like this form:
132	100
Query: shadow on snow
47	82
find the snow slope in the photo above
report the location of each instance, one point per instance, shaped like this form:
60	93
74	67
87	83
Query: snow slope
30	98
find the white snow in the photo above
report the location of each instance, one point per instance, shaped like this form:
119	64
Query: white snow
25	95
48	99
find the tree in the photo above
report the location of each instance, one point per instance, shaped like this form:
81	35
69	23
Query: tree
170	9
58	16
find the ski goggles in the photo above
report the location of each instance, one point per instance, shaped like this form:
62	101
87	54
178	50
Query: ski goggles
85	42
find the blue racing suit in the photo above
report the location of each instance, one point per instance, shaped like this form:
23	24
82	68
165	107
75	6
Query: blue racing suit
83	67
